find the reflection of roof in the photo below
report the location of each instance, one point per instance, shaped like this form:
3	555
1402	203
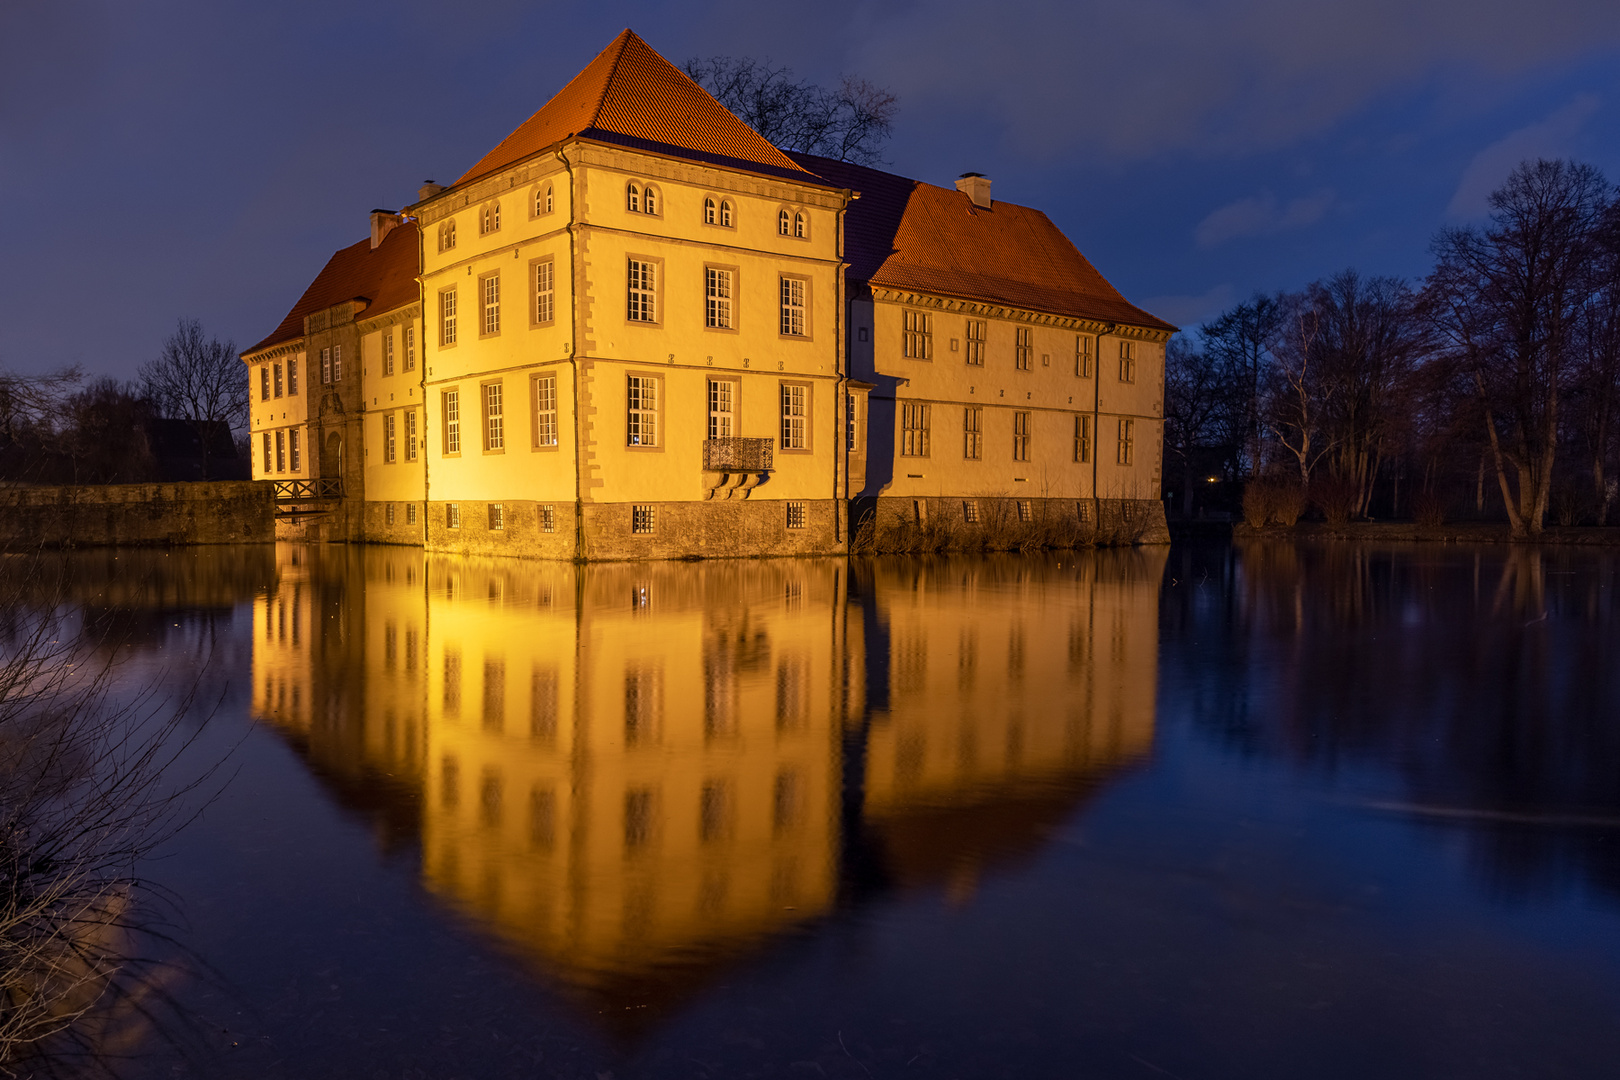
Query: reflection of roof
386	277
632	96
910	235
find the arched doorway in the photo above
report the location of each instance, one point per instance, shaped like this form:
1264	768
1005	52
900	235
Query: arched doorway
332	457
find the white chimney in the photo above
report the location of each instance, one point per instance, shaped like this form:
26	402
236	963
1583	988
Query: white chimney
975	186
383	222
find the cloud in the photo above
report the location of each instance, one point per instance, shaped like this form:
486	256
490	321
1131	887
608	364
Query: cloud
1187	311
1550	138
1261	215
1127	79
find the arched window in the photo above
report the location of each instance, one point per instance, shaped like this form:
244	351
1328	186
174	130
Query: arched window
490	220
798	225
633	199
548	198
782	223
447	235
709	216
649	203
725	213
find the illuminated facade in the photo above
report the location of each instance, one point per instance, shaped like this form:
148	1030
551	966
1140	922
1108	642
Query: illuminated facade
636	329
630	772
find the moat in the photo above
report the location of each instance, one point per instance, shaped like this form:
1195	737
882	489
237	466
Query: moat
1276	809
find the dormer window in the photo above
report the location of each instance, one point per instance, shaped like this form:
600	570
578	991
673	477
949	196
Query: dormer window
447	235
798	226
783	224
632	200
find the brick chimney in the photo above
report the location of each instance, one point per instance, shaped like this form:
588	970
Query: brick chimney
428	190
975	186
383	222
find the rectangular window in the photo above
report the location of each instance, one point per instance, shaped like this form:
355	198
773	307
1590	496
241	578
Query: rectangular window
642	518
852	430
793	310
795	417
975	342
1127	432
548	517
492	304
913	430
388	438
642	411
388	519
643	292
1127	361
1024	348
410	513
1020	436
1082	511
970	511
447	317
452	515
1082	356
918	341
718	297
722	409
326	365
795	515
973	433
1025	511
452	421
410	435
337	363
292	376
410	348
277	368
1082	439
268	460
497	517
494	420
294	449
388	351
545	410
264	382
281	451
545	291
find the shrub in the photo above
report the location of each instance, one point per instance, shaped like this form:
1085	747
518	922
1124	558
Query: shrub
1336	497
1429	509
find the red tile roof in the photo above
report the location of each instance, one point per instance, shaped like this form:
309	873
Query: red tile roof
631	96
906	234
386	277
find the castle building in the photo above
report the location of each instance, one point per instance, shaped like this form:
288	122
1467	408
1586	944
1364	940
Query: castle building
637	329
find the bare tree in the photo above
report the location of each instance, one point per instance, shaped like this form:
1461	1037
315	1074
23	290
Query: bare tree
1193	400
1238	343
197	379
849	123
1507	300
1298	396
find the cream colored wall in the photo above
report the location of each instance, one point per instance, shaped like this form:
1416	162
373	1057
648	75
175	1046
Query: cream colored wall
678	349
402	480
1053	391
279	413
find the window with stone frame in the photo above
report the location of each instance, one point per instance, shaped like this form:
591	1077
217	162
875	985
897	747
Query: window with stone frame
642	291
795	416
973	433
1024	348
494	417
795	321
1082	438
718	296
1020	436
1127	441
641	419
545	410
917	341
914	417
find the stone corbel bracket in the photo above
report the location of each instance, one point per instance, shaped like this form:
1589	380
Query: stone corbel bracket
732	485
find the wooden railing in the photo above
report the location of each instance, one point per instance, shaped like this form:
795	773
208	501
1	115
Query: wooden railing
289	491
737	455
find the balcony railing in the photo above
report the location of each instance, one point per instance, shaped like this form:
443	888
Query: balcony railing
289	491
737	455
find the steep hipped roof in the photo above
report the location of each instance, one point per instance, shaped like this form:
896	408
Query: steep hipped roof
385	276
906	234
632	96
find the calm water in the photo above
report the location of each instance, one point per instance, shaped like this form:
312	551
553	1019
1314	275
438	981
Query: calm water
1276	811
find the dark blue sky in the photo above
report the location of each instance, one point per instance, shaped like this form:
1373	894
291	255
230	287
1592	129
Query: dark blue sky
203	159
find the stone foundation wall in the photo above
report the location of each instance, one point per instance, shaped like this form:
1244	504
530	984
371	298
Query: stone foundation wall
214	512
1006	522
521	533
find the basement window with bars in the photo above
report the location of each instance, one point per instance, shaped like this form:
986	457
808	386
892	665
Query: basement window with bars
795	515
410	513
642	518
1025	511
497	517
970	511
452	515
388	513
548	517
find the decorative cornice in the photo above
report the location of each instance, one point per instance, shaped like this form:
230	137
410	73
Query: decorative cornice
1011	313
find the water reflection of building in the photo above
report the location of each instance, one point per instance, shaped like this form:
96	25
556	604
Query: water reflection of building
632	772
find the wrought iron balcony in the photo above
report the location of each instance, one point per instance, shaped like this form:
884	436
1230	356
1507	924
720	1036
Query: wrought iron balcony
288	491
737	455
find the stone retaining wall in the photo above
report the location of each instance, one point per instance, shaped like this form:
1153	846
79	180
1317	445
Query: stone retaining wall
214	512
